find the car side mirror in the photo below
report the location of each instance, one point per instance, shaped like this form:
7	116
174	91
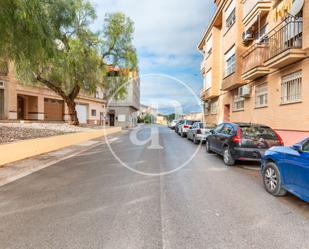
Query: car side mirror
212	131
298	147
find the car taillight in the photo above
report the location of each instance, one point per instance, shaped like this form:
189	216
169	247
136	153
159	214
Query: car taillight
280	138
198	131
186	126
237	138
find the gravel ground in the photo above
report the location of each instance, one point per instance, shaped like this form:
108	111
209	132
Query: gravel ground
12	132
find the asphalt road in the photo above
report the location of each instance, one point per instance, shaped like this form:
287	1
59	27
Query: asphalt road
93	201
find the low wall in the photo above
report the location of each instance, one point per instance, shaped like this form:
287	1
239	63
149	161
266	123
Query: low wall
28	148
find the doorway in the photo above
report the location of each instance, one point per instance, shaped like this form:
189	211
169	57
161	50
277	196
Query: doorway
111	119
227	113
1	104
20	108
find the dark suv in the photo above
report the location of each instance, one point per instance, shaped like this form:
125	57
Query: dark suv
241	141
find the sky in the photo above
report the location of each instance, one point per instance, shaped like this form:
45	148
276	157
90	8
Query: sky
166	36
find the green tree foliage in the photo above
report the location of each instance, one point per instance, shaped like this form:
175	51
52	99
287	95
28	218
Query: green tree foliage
51	43
117	50
147	118
170	117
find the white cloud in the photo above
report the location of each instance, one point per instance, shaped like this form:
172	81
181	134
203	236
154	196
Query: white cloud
166	36
163	26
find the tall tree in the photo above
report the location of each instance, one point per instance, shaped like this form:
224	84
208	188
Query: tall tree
61	52
74	61
117	50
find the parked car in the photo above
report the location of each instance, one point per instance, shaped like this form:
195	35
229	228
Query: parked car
287	169
242	141
173	123
185	126
180	122
199	132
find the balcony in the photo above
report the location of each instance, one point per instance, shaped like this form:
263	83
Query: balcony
210	93
284	44
232	81
253	62
253	8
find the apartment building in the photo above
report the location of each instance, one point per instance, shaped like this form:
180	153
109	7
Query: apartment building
38	103
198	116
124	112
256	64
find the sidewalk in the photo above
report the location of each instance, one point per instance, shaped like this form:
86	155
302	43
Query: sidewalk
13	171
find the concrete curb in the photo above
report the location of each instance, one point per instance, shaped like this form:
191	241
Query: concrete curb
29	148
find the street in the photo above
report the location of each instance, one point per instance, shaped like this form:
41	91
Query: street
93	201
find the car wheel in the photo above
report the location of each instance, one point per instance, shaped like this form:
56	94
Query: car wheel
272	180
195	140
207	145
227	157
182	134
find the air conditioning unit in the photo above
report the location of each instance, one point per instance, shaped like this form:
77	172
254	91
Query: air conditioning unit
247	36
1	84
245	91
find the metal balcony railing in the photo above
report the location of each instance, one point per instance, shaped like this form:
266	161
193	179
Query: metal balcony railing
287	35
254	57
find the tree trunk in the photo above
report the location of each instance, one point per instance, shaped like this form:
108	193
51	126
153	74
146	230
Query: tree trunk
68	99
72	112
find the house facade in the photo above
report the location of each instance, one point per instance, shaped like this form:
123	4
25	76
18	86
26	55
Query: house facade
197	116
124	112
38	103
256	65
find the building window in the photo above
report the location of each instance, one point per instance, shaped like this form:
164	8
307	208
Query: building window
205	82
230	15
261	34
208	80
209	45
291	87
93	113
206	108
238	101
261	95
230	62
214	107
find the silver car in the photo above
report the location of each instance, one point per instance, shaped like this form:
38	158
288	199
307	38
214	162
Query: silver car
199	132
173	124
185	126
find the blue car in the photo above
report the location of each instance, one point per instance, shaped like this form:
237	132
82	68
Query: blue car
287	169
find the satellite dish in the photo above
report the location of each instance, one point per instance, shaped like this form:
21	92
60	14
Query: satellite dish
297	5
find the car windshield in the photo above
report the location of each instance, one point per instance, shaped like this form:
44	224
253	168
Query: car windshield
209	125
190	122
251	132
306	146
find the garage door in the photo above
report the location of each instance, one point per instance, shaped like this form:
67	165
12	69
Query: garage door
53	109
82	113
